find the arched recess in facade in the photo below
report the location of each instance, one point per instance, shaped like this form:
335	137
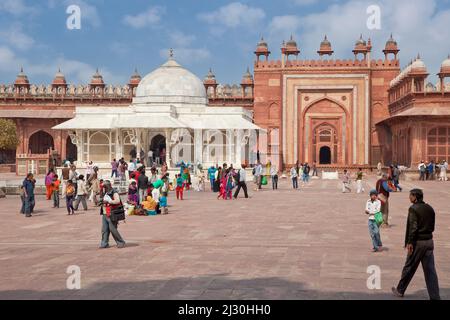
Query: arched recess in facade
40	142
325	113
182	146
71	150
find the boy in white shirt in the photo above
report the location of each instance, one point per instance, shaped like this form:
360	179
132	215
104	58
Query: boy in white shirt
373	206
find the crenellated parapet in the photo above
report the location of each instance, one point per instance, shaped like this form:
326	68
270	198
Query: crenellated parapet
362	56
349	63
59	89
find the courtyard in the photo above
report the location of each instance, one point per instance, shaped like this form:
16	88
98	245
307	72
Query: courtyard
285	244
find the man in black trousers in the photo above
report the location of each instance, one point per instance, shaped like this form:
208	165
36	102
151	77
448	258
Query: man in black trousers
241	178
420	246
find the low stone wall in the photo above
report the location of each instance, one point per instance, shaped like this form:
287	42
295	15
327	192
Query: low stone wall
7	168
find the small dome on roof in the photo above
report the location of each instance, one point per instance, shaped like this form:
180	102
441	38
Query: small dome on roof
21	78
445	66
262	43
97	79
291	43
247	78
135	78
391	42
418	65
59	79
325	42
361	41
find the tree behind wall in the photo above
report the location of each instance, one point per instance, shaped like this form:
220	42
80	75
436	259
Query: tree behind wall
8	135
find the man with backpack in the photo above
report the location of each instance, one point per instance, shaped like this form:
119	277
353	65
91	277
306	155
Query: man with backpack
241	177
111	203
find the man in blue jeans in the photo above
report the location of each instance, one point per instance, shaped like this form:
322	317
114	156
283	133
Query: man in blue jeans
28	189
212	176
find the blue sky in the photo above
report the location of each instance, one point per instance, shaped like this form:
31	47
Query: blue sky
116	36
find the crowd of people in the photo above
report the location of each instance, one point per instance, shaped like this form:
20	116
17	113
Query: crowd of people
148	196
431	170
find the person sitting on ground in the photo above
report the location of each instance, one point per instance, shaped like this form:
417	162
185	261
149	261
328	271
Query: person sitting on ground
149	205
133	193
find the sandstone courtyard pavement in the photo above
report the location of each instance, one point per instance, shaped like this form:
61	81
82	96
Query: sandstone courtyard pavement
285	244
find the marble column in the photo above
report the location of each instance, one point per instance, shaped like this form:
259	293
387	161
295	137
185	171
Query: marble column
238	142
198	146
168	133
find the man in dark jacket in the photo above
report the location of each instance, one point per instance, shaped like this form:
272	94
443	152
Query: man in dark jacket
420	246
142	185
28	188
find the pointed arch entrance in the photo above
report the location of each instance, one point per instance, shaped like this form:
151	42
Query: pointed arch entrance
40	142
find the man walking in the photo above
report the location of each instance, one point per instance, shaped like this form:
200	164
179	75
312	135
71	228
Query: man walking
314	170
422	170
384	191
241	178
142	185
28	189
110	201
212	176
294	177
420	246
81	194
258	175
274	175
359	181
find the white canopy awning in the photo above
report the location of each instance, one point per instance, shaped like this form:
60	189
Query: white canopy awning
87	123
104	118
219	122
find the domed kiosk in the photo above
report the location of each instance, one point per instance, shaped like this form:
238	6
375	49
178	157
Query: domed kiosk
169	116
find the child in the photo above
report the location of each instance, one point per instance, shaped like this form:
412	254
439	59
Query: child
133	193
70	195
81	192
359	184
101	193
149	205
22	199
180	187
164	195
373	206
346	182
55	191
229	185
223	187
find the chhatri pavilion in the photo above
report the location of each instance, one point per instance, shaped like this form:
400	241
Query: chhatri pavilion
168	113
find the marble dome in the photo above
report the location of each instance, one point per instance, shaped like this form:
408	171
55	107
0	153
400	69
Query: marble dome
171	84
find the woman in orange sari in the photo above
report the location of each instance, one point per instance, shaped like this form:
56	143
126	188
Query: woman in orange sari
48	183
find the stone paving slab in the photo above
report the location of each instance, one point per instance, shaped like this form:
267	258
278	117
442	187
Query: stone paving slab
285	244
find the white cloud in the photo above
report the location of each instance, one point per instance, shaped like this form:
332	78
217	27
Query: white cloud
151	17
418	26
16	7
304	2
16	37
282	27
232	16
180	39
74	70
